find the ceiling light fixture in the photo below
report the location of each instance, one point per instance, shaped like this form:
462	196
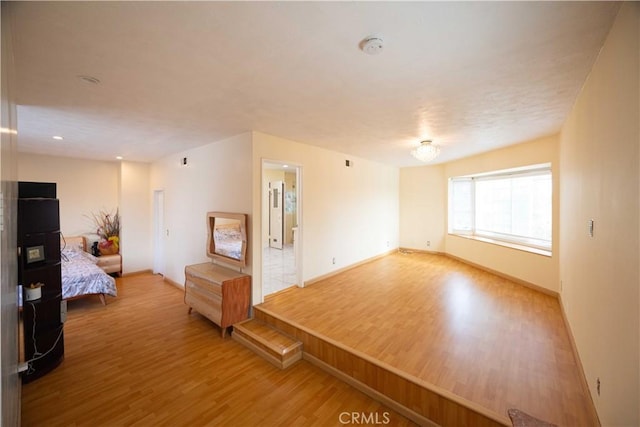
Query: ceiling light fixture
118	157
57	138
427	151
371	45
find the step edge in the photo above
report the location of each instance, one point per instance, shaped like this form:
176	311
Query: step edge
295	345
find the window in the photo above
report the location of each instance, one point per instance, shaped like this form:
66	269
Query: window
512	206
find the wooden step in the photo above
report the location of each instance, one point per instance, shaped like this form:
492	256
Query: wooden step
268	342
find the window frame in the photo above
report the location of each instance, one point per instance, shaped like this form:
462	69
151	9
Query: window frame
532	244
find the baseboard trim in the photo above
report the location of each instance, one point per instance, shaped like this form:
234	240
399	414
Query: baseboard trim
349	267
576	354
137	273
171	282
506	276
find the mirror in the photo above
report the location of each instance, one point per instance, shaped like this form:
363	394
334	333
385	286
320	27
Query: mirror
227	238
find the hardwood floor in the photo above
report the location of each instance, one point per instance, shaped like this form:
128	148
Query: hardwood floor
141	360
481	337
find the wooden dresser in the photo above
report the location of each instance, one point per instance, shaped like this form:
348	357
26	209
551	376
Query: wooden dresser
218	293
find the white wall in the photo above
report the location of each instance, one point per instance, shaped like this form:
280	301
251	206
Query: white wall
423	208
84	186
599	150
88	186
217	177
348	213
135	213
539	270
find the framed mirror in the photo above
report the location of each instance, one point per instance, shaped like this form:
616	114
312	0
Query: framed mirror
227	238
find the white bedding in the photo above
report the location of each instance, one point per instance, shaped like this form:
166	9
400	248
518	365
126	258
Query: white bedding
81	275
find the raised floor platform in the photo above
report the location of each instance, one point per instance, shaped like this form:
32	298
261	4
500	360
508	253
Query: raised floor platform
439	341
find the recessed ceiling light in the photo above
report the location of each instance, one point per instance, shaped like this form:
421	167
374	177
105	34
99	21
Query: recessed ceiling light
119	157
89	79
58	137
285	166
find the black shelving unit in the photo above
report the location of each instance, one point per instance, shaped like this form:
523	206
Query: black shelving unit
39	263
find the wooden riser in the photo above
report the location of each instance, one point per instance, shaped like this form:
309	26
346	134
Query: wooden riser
417	400
271	344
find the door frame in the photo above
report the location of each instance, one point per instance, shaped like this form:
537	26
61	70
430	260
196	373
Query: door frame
264	218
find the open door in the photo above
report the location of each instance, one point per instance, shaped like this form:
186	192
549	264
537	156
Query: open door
281	214
276	214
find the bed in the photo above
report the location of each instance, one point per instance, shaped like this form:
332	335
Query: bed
80	274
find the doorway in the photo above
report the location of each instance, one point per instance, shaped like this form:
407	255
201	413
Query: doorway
276	214
280	226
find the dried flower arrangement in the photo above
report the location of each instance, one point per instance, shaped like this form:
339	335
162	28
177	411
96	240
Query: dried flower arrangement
108	228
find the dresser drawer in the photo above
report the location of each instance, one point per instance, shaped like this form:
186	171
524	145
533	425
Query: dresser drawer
218	293
209	309
203	293
204	285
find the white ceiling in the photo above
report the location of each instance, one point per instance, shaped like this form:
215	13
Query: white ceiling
472	76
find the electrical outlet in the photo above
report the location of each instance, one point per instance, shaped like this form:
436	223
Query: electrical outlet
333	260
428	243
387	243
598	386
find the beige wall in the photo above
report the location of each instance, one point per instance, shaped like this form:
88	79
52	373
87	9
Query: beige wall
423	212
423	208
542	271
217	178
348	213
135	211
84	186
599	149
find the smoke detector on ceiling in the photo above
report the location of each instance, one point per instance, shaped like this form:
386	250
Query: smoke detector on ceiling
371	45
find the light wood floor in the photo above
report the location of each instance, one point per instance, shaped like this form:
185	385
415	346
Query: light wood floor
479	336
142	361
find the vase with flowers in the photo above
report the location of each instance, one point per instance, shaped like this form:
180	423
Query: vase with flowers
107	226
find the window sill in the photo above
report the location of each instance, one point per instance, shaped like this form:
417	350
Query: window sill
515	246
